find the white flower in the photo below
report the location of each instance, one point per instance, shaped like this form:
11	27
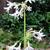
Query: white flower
10	5
29	47
18	11
38	35
13	47
29	1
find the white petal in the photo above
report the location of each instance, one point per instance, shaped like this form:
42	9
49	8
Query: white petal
29	8
28	1
7	9
33	0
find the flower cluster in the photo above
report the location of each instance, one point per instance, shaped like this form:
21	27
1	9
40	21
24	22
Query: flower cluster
19	47
38	34
19	8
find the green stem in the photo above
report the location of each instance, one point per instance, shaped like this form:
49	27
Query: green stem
24	29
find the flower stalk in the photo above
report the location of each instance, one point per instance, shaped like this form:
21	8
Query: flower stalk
24	29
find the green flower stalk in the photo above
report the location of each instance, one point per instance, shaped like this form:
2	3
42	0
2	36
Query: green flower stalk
24	29
27	34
